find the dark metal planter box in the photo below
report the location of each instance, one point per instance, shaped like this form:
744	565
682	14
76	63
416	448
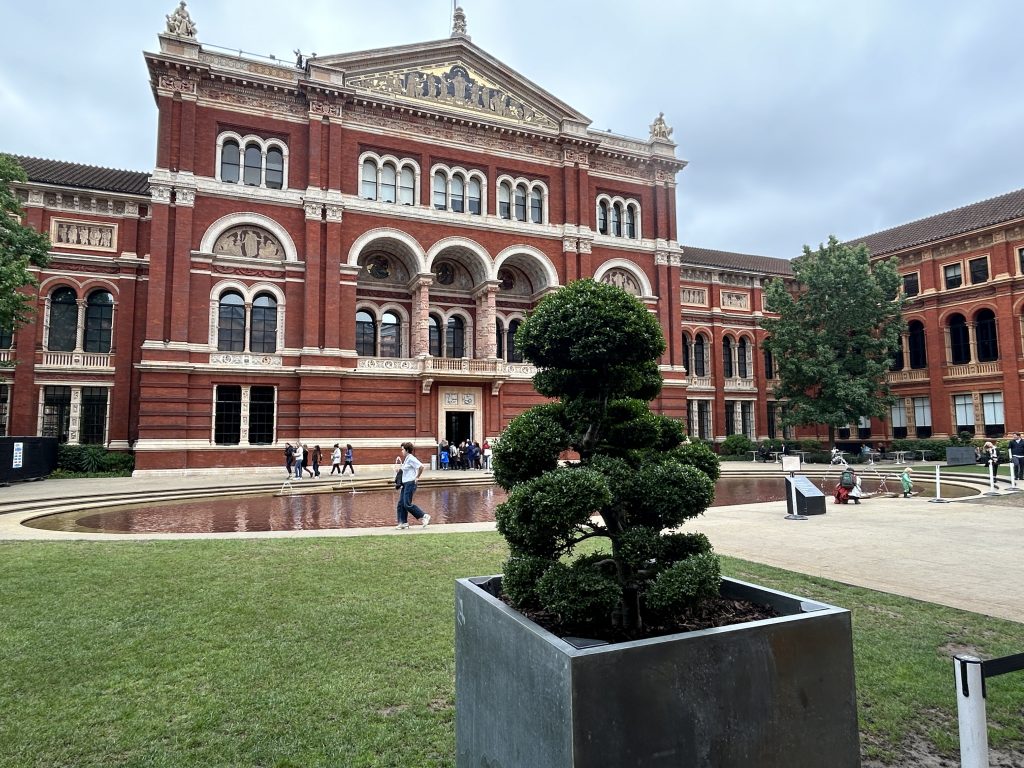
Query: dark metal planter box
777	693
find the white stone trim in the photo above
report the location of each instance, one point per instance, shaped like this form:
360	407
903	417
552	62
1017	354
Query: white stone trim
243	141
547	267
484	260
383	233
531	186
224	223
632	268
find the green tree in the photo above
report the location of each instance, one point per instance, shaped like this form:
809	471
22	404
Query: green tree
835	336
21	248
597	348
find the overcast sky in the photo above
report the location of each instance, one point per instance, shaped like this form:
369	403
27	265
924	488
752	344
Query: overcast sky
799	119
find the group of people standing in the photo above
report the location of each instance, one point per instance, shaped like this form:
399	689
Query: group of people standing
466	455
300	457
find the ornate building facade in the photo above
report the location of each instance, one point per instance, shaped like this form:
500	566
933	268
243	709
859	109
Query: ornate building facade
342	250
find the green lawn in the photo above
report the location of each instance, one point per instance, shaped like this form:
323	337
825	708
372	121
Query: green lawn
339	652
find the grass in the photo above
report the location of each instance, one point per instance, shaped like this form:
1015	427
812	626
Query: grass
339	652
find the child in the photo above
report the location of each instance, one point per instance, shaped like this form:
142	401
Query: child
906	482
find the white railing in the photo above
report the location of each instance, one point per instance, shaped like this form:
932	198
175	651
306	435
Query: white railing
918	374
970	370
740	385
77	360
6	355
701	382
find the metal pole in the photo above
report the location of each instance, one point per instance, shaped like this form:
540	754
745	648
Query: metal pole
1013	476
938	489
991	480
970	707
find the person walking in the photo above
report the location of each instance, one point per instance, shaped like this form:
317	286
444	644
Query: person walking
317	458
308	459
487	455
348	459
906	483
289	458
300	454
1017	455
336	459
411	468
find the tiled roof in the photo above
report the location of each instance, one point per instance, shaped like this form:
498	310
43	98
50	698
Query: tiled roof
80	176
766	265
942	225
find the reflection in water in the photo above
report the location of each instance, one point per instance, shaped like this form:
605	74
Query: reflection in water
316	511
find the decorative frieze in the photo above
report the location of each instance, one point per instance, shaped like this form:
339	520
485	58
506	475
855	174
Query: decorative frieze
185	198
621	278
731	300
263	101
727	278
249	242
963	246
245	360
695	275
85	235
575	156
324	109
160	193
334	212
177	85
693	297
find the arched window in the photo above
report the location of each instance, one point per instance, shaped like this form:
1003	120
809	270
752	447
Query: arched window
959	340
263	335
915	343
617	220
536	206
388	183
769	365
99	320
474	196
434	325
631	221
742	370
458	194
700	356
275	168
602	217
440	191
390	341
985	333
505	201
727	369
369	180
499	338
366	334
406	192
231	323
514	355
455	338
6	340
230	162
63	320
686	353
253	173
521	202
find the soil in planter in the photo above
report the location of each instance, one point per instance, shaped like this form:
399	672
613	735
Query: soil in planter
711	613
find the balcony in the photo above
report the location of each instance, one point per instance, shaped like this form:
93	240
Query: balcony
901	377
972	370
458	367
740	385
92	361
701	382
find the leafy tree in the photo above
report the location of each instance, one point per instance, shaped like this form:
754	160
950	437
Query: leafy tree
21	247
597	348
835	337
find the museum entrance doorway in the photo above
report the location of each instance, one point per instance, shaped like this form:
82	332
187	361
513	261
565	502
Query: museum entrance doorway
458	426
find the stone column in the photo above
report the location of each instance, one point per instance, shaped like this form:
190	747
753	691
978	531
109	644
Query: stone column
80	332
419	330
486	320
972	334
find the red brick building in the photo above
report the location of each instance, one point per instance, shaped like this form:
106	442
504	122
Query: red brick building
341	251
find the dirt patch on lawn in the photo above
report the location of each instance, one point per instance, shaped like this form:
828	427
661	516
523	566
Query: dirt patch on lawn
918	752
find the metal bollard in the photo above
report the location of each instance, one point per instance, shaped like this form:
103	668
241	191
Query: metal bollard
938	489
970	707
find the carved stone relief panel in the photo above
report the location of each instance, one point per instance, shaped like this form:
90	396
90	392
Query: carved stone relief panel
732	300
449	275
249	241
694	297
514	282
381	267
87	235
623	279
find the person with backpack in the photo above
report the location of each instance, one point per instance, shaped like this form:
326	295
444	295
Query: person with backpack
847	482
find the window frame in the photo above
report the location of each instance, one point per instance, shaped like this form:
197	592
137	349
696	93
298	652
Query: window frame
978	279
950	280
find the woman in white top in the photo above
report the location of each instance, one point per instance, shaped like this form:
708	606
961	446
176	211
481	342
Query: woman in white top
412	468
336	459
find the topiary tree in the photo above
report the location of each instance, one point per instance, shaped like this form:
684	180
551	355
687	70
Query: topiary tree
597	349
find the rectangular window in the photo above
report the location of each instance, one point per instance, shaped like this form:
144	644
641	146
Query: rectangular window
261	415
93	429
704	419
730	417
923	416
747	419
898	417
772	415
5	397
963	411
864	428
910	285
954	275
992	408
56	413
979	270
227	418
1020	259
440	192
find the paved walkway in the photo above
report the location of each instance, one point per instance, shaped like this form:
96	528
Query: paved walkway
965	554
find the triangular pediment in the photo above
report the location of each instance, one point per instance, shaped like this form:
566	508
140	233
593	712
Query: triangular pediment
452	76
